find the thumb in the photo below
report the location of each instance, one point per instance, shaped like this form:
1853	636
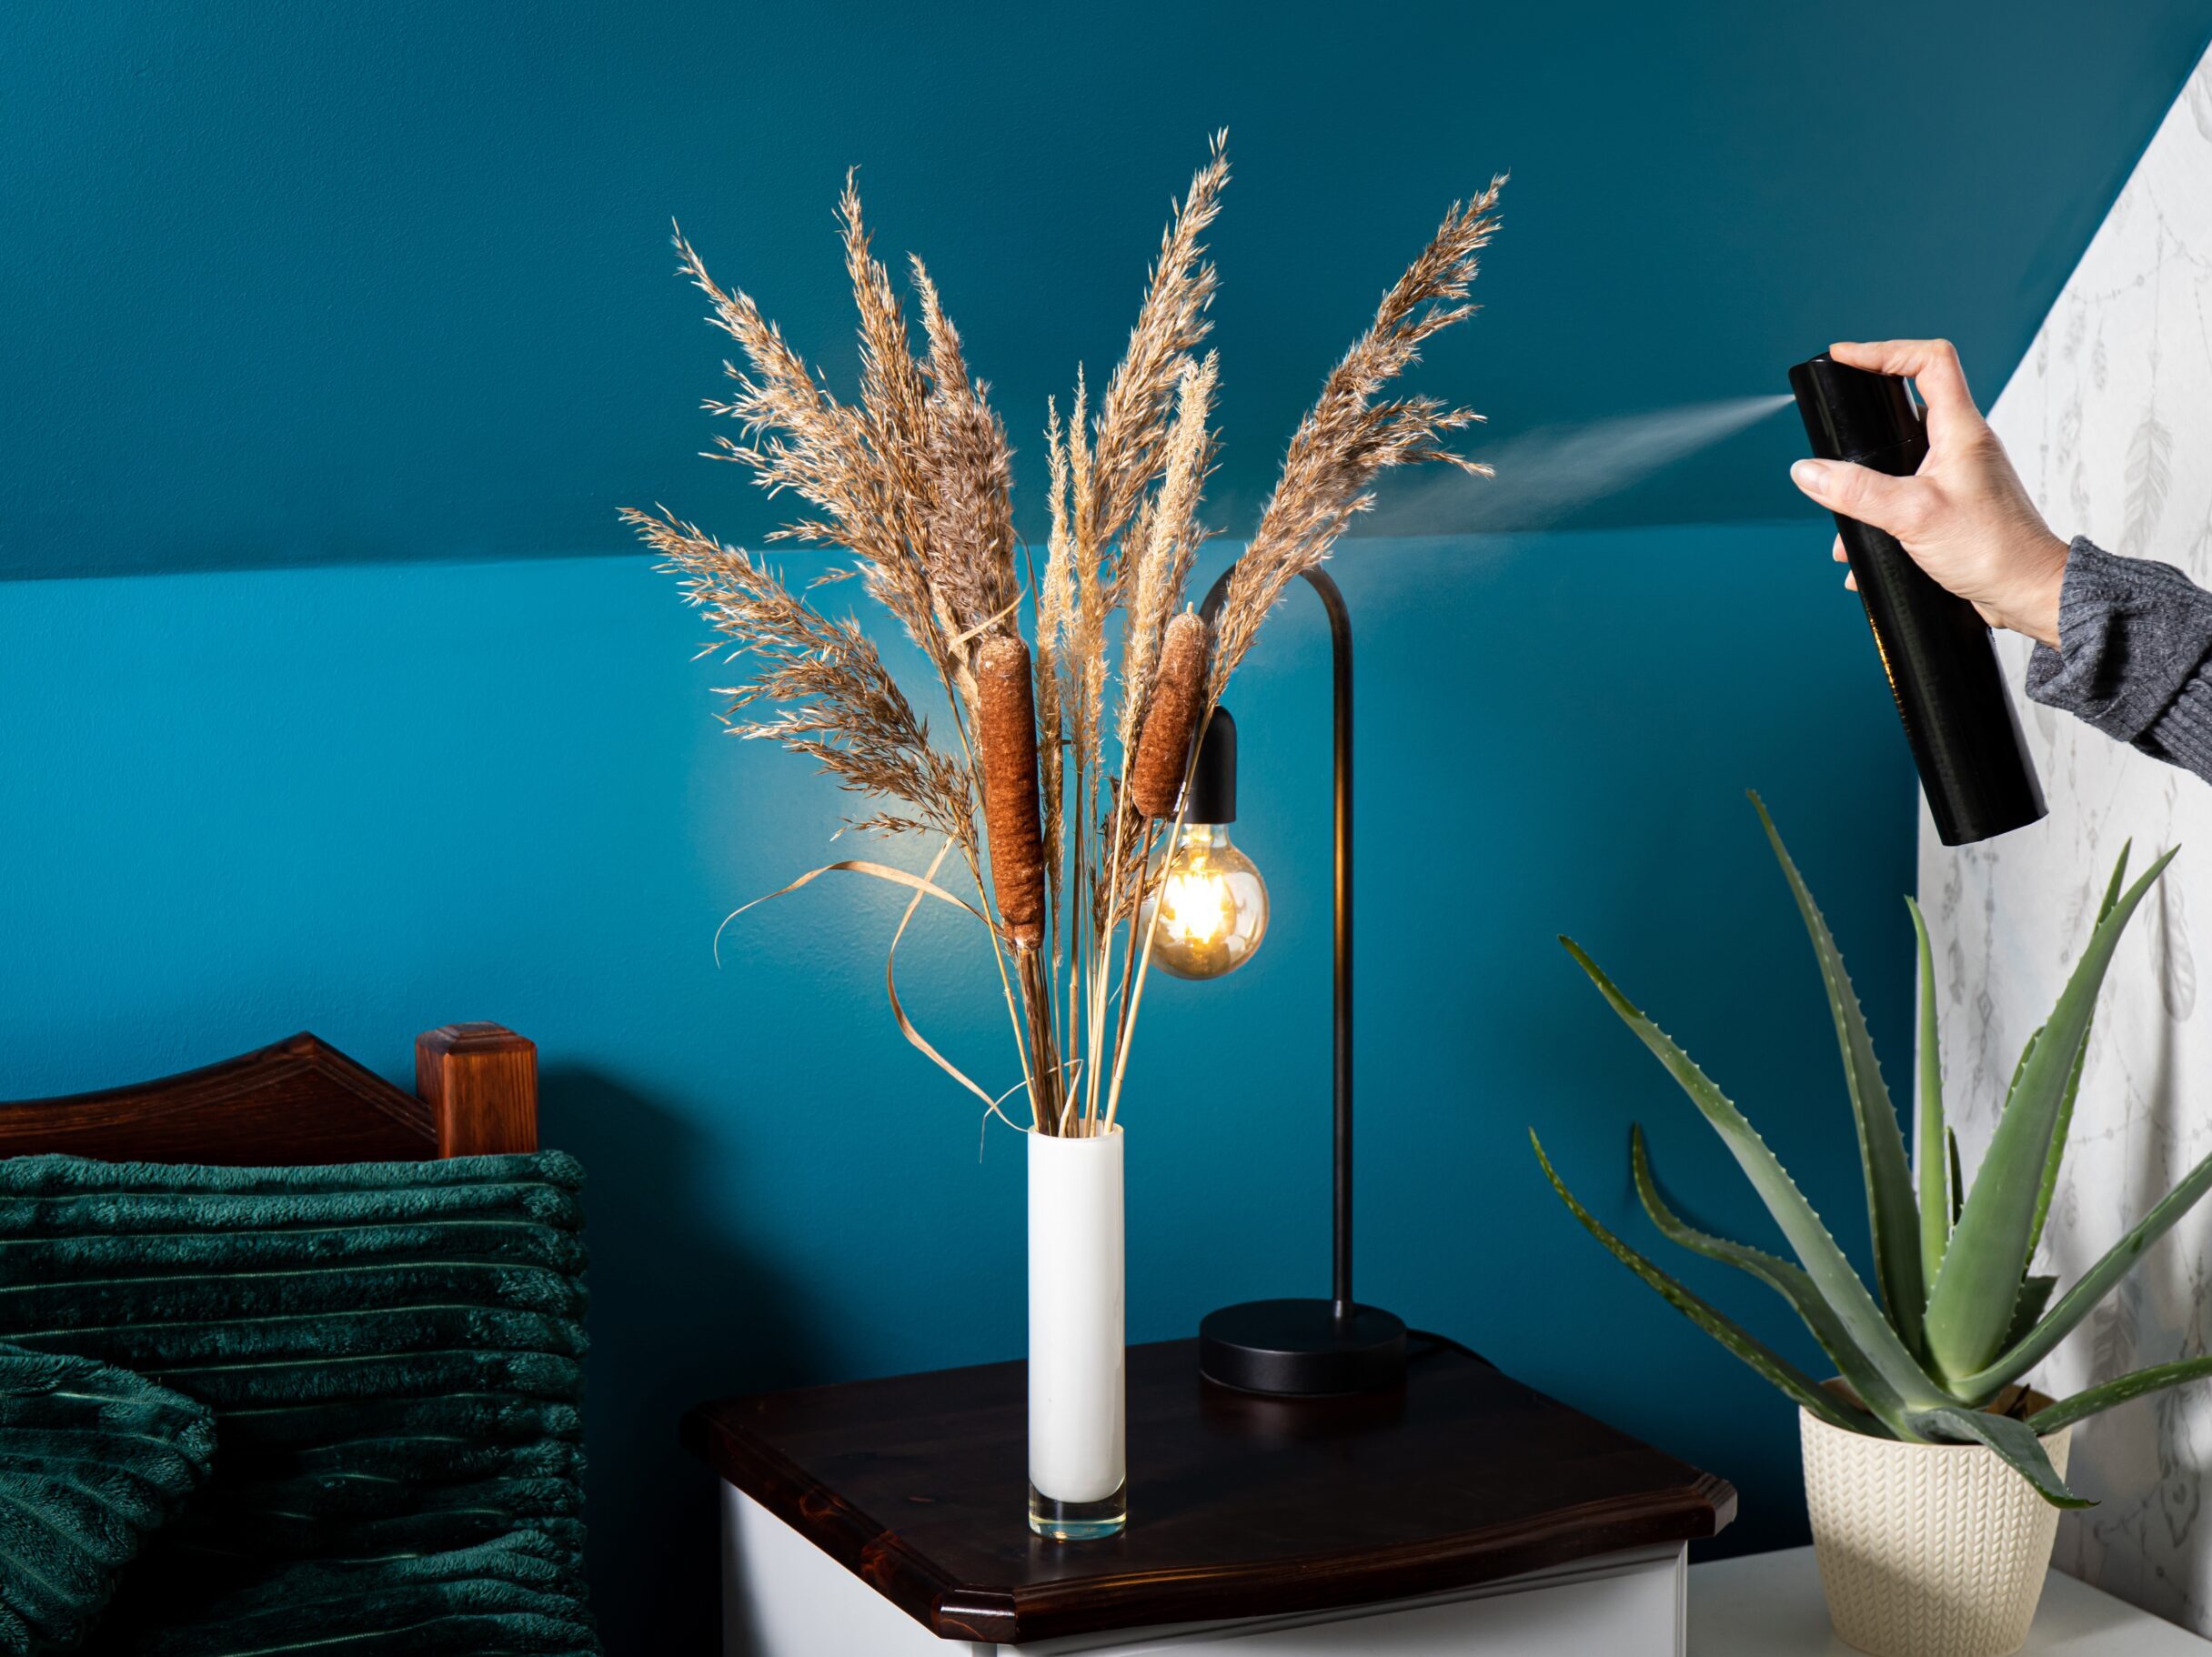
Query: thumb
1872	497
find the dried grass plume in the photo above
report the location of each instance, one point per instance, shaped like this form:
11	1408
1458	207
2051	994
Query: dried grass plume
1077	762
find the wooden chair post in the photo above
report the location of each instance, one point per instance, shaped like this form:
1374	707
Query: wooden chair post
480	1081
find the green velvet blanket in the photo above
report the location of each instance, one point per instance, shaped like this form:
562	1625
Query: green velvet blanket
392	1355
92	1461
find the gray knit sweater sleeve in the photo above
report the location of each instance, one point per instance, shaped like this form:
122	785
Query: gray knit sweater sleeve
2132	642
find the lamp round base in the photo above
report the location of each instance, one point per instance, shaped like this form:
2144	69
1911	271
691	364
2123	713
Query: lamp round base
1302	1349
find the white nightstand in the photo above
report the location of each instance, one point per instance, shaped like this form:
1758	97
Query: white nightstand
1770	1605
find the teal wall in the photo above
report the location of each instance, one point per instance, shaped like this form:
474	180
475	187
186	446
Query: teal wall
370	801
305	283
371	309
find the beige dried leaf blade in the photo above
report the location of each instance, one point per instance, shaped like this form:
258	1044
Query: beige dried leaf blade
891	986
922	886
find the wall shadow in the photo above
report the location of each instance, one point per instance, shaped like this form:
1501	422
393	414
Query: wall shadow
678	1315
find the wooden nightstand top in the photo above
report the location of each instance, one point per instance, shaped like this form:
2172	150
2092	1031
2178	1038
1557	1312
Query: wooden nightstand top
1239	1505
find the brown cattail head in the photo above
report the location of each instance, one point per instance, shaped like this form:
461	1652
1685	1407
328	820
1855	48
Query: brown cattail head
1163	748
1006	721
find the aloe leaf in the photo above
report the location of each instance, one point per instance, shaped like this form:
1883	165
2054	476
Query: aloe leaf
2035	1295
2015	1442
1971	1302
1931	1170
2059	1130
2077	1302
1817	1251
2090	1401
2019	1066
1785	1277
1890	1180
2081	1057
1794	1381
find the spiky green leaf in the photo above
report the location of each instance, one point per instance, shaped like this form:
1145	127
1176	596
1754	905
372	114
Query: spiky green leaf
2090	1401
2028	1350
2019	1064
1791	1380
2015	1442
2081	1057
1931	1172
1971	1302
1785	1277
1816	1250
2034	1296
1890	1203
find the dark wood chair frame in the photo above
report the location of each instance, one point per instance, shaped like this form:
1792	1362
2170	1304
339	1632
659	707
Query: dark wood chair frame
301	1103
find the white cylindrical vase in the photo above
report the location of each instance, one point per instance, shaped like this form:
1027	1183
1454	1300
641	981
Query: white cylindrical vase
1078	1471
1927	1549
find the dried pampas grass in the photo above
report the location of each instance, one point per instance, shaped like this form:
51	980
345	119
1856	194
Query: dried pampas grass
1348	439
912	482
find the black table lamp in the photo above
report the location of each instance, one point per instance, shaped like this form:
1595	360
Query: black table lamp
1213	914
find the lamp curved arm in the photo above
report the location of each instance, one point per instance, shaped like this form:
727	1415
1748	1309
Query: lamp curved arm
1340	656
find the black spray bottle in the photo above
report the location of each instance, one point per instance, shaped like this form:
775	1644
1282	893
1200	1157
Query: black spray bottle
1936	648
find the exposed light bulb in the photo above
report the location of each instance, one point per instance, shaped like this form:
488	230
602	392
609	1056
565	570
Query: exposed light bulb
1211	903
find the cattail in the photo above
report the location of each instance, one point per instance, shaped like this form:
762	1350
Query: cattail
1006	716
1163	751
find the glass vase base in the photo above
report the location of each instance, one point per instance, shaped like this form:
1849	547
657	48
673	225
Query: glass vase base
1079	1520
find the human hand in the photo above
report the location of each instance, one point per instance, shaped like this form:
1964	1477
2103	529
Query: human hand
1963	516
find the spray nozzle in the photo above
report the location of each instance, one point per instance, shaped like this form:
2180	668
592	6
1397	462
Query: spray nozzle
1851	414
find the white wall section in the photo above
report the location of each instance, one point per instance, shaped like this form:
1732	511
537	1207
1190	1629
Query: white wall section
2109	420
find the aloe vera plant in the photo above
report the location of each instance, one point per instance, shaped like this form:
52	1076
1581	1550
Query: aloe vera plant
1955	1318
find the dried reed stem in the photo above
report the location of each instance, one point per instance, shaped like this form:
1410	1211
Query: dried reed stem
1132	995
1055	596
1044	1070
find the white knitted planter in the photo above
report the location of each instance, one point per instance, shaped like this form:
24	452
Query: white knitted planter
1926	1550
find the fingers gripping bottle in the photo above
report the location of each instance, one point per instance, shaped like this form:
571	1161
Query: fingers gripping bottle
1936	648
